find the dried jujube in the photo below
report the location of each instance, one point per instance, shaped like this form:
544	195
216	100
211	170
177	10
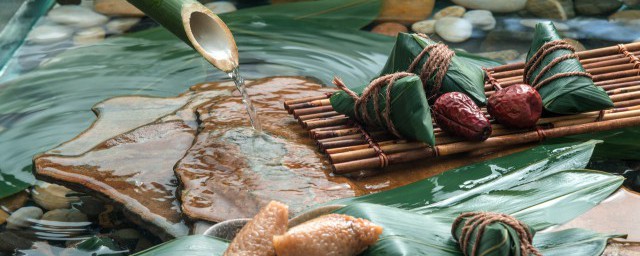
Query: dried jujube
457	114
516	106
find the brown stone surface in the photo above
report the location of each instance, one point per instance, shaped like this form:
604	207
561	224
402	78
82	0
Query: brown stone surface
11	203
405	11
116	8
389	29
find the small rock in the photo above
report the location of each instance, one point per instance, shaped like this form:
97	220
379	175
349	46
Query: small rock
424	26
405	11
128	237
90	206
502	6
47	34
121	25
89	36
51	196
550	9
116	8
143	244
76	16
11	203
596	7
451	11
221	7
631	17
531	23
631	3
481	19
11	241
65	215
453	29
506	55
23	217
576	44
389	28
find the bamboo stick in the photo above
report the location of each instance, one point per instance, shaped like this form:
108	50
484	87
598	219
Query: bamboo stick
362	146
318	115
324	122
301	100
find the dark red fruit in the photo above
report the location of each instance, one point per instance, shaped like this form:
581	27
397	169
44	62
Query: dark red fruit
516	106
457	114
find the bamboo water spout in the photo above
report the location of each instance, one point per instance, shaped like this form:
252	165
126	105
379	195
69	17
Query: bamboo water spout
197	26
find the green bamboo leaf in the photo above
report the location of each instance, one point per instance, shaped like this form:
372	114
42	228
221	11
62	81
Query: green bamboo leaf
410	112
337	13
463	75
567	95
195	245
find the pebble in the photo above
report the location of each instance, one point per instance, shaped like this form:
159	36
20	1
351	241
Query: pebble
23	217
531	23
505	55
65	215
116	8
631	17
453	29
76	16
89	36
47	34
576	44
405	11
389	28
11	203
424	26
121	25
221	7
596	7
550	9
51	196
11	241
501	6
481	19
451	11
631	3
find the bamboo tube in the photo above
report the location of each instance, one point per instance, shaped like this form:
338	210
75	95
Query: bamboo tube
308	104
197	26
624	90
301	100
502	141
313	110
368	152
362	146
318	115
324	122
628	103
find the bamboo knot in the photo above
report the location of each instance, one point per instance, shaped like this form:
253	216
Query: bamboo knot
436	67
536	60
480	220
632	58
541	134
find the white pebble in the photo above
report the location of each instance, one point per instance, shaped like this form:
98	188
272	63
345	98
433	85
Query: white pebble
46	34
76	16
481	19
453	29
424	26
24	217
89	36
221	7
119	26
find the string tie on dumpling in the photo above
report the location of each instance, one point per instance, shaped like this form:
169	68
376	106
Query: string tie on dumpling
436	66
536	60
480	221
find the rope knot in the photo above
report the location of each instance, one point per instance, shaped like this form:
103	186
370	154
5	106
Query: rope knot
477	222
536	60
437	66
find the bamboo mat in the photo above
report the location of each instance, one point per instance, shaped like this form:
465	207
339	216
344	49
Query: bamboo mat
350	147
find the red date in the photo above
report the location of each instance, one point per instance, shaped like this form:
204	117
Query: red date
516	106
457	114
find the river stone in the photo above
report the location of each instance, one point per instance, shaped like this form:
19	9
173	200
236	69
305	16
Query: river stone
405	11
121	25
531	23
51	196
389	29
596	7
501	6
631	3
576	44
453	29
505	55
116	8
450	11
10	204
47	34
481	19
550	9
76	16
424	26
631	17
23	217
65	215
10	241
89	36
219	7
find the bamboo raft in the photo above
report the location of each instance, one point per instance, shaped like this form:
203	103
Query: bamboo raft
351	148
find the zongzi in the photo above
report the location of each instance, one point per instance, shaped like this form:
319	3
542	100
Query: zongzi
459	72
328	235
553	69
255	238
393	102
493	234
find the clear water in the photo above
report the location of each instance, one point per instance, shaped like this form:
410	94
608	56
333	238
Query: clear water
246	100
